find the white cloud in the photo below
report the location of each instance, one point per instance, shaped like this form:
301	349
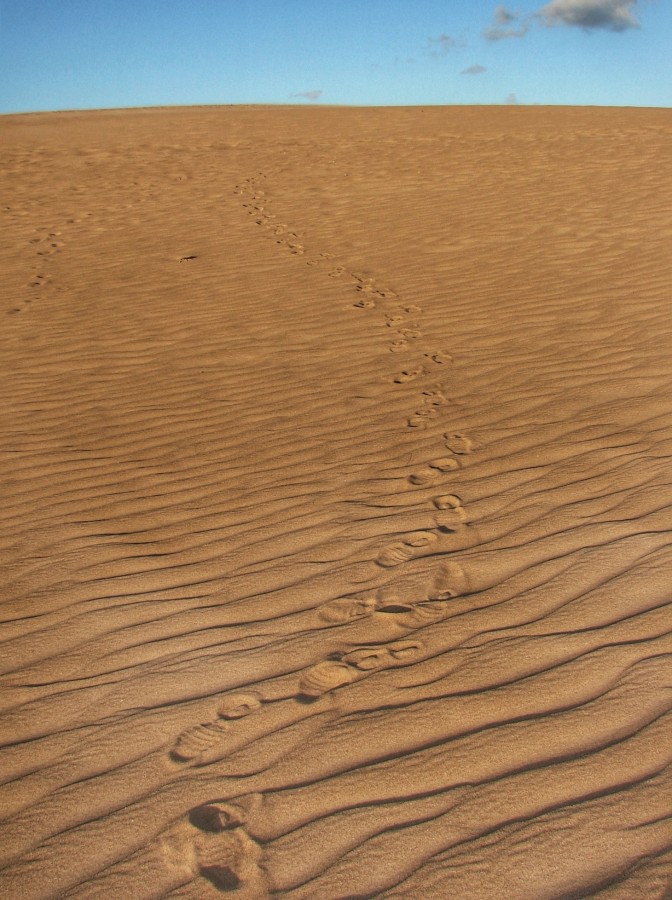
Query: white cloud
507	25
511	100
445	44
308	95
613	15
503	16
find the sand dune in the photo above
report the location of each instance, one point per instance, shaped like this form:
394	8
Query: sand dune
336	503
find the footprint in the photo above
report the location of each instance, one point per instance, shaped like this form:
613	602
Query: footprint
365	303
420	539
447	501
423	477
426	603
421	418
387	294
364	283
418	614
394	555
401	551
373	659
223	815
324	677
52	247
229	860
347	609
337	272
409	374
50	236
412	308
440	358
415	604
434	398
411	334
444	464
187	258
193	744
393	321
458	443
367	289
216	816
387	601
398	346
236	706
450	519
451	582
352	665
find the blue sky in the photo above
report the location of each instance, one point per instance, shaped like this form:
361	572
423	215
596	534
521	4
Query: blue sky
81	54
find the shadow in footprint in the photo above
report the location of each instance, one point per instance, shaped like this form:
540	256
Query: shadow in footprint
224	815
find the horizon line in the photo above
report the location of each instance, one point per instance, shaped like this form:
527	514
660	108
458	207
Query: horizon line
312	105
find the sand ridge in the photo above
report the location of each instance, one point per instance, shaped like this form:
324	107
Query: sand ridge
336	503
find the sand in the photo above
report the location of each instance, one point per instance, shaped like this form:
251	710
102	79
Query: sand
336	499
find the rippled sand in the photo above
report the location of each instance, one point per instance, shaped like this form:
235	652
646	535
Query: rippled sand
336	503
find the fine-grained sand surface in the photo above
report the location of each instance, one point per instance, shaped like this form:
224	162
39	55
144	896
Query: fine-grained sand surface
336	491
